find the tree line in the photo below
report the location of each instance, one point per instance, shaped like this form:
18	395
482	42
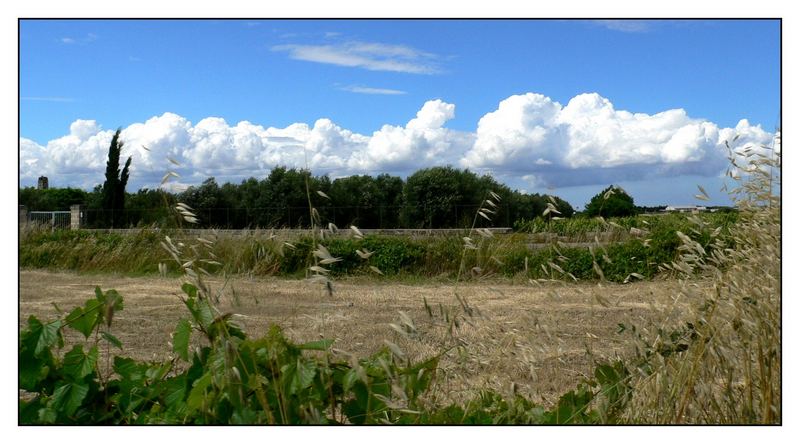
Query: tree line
438	197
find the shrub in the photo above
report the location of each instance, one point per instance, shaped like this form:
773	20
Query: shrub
611	202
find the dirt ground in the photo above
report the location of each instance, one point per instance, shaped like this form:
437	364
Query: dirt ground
542	339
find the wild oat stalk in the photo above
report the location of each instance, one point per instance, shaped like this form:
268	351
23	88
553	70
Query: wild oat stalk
487	208
731	371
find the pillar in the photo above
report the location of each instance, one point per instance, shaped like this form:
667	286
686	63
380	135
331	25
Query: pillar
76	216
23	216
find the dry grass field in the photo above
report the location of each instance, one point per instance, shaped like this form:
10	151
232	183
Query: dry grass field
538	340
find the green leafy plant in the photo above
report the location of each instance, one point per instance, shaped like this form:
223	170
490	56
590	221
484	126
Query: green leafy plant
229	378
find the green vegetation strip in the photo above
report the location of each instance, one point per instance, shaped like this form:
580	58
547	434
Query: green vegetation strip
506	255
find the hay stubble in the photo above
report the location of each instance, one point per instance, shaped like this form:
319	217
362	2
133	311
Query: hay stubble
541	339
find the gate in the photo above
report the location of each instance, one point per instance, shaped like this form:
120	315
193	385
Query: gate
52	219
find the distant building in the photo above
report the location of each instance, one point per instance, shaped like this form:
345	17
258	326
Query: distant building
684	208
42	184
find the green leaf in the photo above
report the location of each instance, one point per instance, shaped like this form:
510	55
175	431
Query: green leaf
201	312
571	407
112	339
79	321
48	336
298	375
47	415
189	289
321	345
156	371
350	378
180	340
223	326
356	408
85	319
114	299
69	396
197	395
245	416
79	364
174	390
205	315
132	388
129	369
98	294
29	411
31	372
33	367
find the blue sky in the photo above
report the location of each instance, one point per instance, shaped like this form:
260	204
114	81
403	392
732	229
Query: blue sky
561	106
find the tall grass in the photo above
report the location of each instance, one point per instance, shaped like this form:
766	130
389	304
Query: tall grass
585	229
520	256
730	370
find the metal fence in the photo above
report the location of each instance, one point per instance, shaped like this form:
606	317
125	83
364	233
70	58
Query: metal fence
52	219
378	217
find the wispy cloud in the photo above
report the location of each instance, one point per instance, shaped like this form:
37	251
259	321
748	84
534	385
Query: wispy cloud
366	55
47	99
625	25
370	90
134	59
89	38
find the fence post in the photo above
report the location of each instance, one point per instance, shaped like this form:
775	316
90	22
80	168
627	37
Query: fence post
23	216
76	217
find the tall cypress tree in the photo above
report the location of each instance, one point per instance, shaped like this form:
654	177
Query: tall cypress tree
114	186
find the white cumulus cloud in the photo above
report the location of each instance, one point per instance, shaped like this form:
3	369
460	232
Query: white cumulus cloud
588	141
529	141
424	141
522	131
71	160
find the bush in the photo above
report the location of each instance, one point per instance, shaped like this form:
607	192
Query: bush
611	202
395	255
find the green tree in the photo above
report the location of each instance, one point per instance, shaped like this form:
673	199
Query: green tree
245	197
209	203
391	200
445	197
52	199
282	201
146	207
366	201
611	202
113	200
563	207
